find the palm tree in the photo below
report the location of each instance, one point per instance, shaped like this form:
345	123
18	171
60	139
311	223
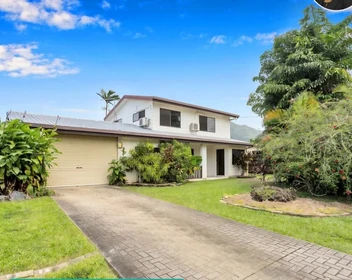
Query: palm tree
109	98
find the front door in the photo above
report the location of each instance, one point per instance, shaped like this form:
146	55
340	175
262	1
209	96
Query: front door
220	162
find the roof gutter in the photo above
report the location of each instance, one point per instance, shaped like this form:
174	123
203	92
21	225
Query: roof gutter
110	133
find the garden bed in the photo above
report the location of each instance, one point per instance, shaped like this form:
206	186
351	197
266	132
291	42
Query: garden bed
304	207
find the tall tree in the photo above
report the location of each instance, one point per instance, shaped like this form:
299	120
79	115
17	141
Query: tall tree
315	58
109	98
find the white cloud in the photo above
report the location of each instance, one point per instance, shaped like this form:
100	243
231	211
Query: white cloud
105	5
20	27
139	35
57	13
108	25
86	20
20	60
63	20
242	40
219	39
266	37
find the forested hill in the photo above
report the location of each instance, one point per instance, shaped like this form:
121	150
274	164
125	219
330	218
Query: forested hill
243	132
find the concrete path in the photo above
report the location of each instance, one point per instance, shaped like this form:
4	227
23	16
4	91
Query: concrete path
149	238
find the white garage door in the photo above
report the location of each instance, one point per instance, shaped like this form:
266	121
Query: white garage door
84	160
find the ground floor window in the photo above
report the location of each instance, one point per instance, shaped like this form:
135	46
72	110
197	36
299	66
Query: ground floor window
236	154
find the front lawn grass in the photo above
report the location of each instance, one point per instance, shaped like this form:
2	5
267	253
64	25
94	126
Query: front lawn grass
332	232
35	234
93	267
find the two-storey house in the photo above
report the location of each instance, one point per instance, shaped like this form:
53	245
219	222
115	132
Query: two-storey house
207	130
87	146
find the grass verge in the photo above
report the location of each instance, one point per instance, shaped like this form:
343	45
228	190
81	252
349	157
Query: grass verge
332	232
35	234
93	267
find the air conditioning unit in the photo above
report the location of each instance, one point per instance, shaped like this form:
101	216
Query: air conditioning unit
143	122
194	127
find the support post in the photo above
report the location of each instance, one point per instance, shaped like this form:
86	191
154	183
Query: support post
203	154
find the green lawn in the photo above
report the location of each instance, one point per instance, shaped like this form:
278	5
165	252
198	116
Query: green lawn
93	267
205	196
35	234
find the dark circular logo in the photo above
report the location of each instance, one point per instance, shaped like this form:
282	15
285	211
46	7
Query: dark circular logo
335	5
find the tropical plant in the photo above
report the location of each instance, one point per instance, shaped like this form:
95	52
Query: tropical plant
172	162
148	163
180	161
26	154
109	98
315	58
313	148
117	173
242	159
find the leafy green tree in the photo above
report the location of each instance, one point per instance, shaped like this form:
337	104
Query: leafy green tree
109	98
313	149
315	58
26	154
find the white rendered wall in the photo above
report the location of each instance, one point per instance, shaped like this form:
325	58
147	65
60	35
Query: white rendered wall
188	116
126	110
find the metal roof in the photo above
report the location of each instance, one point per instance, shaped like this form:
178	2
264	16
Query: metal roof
170	101
111	128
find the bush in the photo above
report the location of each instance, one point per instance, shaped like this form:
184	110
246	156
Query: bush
117	173
313	148
273	194
180	161
39	192
26	154
173	163
147	163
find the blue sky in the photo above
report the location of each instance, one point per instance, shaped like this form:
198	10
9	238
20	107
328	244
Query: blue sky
56	54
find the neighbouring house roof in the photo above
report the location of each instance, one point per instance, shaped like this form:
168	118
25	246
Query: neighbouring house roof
63	124
169	101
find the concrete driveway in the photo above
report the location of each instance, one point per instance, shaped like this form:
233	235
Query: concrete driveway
148	238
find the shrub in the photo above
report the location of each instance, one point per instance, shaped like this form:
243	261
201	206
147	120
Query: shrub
147	163
117	173
242	159
173	163
39	192
273	194
313	149
26	154
180	161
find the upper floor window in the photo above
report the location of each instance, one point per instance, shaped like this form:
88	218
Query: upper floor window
170	118
138	115
206	124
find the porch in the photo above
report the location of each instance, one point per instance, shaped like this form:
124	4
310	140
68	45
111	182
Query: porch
216	161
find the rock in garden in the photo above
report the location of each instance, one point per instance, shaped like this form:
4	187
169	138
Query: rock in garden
273	194
4	198
15	195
